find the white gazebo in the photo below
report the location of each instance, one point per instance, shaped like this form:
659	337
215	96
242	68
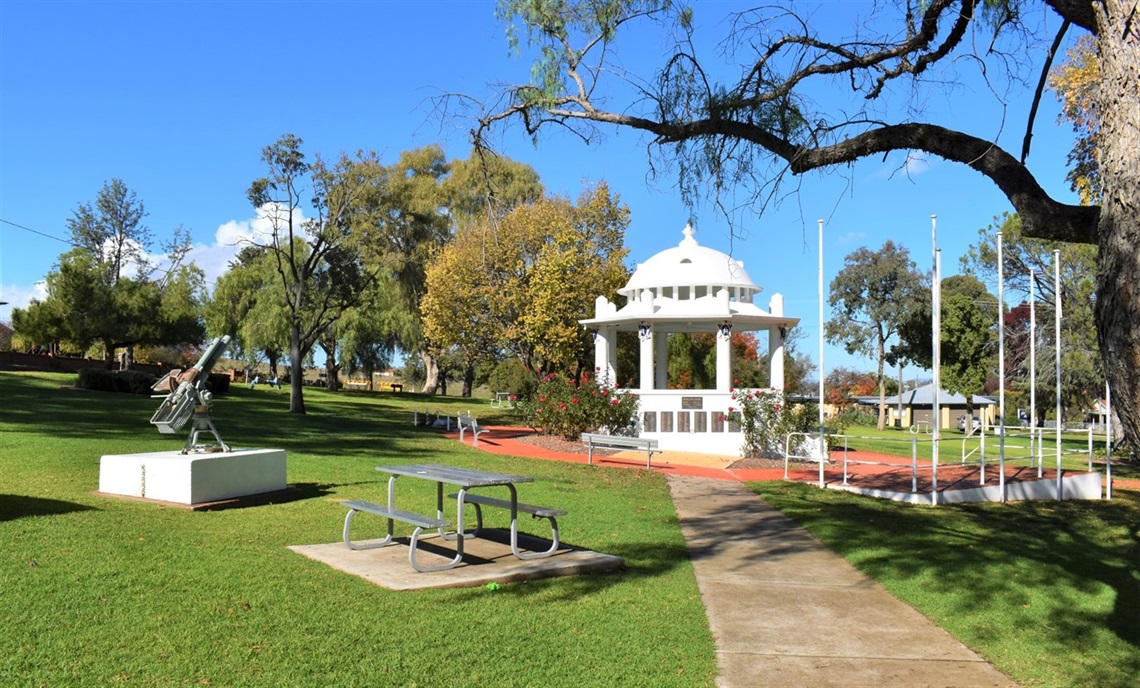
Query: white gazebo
689	288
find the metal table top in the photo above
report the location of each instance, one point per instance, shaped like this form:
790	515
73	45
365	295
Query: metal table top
452	475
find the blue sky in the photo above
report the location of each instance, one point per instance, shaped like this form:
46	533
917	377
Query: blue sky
178	98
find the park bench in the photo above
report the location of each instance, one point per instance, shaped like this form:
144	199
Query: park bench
591	440
392	514
466	423
546	512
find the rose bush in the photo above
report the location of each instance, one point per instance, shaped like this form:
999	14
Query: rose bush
558	407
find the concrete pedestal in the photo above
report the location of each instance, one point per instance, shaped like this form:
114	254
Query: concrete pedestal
193	478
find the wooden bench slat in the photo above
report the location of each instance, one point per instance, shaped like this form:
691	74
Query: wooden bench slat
397	514
543	511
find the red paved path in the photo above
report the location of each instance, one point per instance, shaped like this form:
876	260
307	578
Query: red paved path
504	440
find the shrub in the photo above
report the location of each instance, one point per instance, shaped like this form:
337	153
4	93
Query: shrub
512	376
99	379
124	381
219	384
560	408
765	419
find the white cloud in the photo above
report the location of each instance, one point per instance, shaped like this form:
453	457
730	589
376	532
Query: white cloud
19	296
231	236
850	238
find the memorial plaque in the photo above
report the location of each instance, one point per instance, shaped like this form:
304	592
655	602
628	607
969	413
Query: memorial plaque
700	421
682	421
666	421
692	403
649	421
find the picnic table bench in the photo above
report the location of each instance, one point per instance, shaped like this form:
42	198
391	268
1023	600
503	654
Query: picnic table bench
593	439
468	422
546	512
393	514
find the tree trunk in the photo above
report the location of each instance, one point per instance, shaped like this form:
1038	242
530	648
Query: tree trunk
431	372
272	357
468	379
1118	260
882	386
332	368
297	372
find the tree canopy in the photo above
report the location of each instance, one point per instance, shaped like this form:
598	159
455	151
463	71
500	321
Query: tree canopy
521	284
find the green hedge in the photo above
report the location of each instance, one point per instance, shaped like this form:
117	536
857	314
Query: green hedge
125	381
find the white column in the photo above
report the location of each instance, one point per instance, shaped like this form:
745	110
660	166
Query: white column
723	362
610	366
647	361
605	345
661	360
776	344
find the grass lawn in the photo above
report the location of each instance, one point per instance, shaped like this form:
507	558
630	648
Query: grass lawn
1049	592
954	443
104	591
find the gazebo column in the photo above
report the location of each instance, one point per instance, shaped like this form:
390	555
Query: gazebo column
724	361
660	360
776	338
605	354
646	359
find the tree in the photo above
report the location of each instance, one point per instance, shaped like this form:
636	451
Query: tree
844	385
1076	82
762	125
969	337
1082	371
108	290
319	260
869	298
522	284
245	306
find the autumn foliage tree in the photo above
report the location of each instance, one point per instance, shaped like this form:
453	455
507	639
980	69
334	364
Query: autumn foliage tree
521	284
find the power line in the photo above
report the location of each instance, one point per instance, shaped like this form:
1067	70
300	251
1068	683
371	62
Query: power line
35	231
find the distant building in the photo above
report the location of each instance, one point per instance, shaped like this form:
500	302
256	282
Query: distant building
918	408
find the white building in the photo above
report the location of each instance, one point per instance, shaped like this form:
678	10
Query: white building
689	288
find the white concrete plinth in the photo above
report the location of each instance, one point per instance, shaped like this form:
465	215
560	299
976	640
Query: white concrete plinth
193	478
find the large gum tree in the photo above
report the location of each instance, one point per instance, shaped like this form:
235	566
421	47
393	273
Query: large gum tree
761	125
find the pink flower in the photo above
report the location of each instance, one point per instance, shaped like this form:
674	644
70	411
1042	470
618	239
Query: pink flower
731	409
616	385
574	400
614	401
597	368
777	407
542	398
732	390
736	382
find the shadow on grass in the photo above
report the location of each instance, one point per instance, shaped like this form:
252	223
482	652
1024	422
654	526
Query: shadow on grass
20	506
1016	556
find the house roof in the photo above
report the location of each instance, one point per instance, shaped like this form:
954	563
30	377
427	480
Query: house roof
924	396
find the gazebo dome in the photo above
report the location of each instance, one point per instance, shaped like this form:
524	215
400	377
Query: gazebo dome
690	267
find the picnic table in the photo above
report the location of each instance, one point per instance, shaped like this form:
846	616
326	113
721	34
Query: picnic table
503	400
465	479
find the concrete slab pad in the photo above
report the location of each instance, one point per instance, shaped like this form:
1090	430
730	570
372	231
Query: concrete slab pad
487	559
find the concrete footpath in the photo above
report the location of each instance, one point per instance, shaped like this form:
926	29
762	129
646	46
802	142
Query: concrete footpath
787	611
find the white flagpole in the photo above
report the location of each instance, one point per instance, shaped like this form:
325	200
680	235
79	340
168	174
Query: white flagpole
1057	333
936	327
1001	370
822	438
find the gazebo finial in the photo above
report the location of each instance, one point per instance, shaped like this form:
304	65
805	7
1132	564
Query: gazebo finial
688	231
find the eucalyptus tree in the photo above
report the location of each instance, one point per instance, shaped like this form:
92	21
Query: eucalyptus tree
316	248
870	297
761	124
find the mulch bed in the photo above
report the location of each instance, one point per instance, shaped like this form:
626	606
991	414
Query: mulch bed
557	444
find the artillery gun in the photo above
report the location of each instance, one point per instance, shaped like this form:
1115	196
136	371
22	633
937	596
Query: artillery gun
186	396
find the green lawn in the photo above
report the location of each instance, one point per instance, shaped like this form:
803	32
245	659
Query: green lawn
1049	592
103	591
99	591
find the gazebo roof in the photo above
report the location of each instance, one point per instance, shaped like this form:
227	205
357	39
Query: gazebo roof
689	288
689	264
